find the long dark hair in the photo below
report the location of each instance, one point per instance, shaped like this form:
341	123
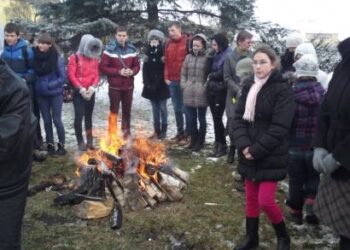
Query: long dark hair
221	40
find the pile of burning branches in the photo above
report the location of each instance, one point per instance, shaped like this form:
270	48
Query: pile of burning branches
135	173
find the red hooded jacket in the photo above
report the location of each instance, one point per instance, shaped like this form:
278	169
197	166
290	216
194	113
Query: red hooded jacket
83	71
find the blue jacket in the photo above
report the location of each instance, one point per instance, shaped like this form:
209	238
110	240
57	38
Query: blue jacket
52	84
13	56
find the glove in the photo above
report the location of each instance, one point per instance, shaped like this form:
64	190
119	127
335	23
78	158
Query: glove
319	154
83	92
328	164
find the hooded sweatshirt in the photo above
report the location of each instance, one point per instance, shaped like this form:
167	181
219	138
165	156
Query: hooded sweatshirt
82	67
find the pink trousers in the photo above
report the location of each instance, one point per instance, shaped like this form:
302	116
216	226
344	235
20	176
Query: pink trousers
262	196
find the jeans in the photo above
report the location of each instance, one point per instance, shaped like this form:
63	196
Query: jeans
160	114
125	98
217	108
83	109
11	217
51	111
194	115
262	196
303	178
179	108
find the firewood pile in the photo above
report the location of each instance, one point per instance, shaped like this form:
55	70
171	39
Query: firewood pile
135	174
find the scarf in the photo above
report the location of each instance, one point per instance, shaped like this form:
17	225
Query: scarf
45	62
250	105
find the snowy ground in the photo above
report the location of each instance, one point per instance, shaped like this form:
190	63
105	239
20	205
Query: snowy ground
141	114
313	237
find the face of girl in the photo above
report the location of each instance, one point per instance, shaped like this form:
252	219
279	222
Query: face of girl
197	46
215	46
44	47
262	65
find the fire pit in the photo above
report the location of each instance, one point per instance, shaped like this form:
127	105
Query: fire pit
135	173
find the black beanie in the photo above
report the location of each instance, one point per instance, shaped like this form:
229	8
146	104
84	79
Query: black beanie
221	40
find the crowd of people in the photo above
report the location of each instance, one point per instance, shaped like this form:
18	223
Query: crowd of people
283	116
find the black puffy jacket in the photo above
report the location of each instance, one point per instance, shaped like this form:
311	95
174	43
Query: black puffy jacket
17	128
267	136
154	87
333	128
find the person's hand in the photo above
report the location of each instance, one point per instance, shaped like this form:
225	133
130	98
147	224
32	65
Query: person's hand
319	155
129	72
91	90
328	165
167	82
123	72
83	92
247	154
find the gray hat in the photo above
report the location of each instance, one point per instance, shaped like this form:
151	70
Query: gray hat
306	66
156	34
244	67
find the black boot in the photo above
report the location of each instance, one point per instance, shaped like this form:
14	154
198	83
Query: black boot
50	149
60	149
251	240
156	133
163	131
89	141
222	150
283	240
231	155
194	138
215	149
200	143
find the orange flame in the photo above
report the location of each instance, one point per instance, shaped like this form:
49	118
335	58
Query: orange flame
147	151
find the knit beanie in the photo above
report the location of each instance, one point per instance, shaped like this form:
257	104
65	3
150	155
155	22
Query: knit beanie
156	34
305	49
293	40
244	67
306	66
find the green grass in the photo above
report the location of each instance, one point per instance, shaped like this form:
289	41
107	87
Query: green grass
188	224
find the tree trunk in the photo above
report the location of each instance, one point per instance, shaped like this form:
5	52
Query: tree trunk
152	11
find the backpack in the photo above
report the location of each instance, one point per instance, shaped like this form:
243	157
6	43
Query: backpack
68	89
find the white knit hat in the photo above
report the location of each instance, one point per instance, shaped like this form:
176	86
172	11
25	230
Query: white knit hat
305	49
306	66
293	40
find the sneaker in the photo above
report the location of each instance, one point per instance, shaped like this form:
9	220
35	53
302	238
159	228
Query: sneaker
39	155
90	147
154	136
50	149
185	140
82	147
175	139
60	149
